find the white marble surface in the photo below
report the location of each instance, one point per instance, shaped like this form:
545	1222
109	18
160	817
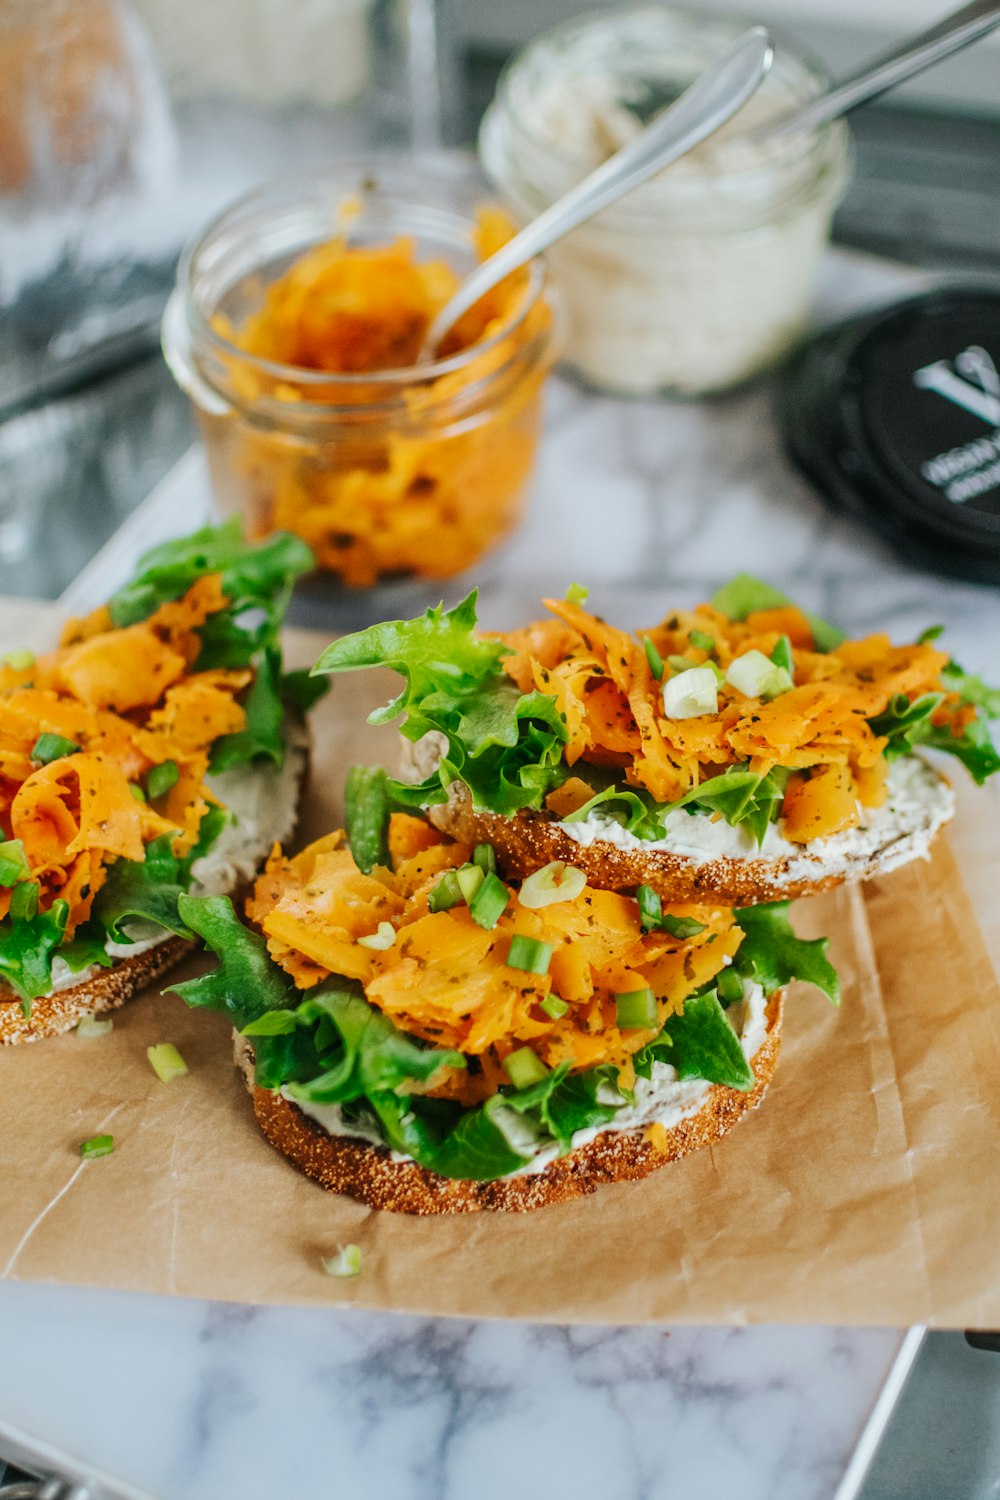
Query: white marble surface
184	1401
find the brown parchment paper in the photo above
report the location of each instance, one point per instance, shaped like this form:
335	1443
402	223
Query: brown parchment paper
865	1190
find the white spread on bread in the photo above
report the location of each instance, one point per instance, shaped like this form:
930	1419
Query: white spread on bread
919	801
262	801
662	1099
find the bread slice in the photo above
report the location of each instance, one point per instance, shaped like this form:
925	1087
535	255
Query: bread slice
346	1165
919	803
265	801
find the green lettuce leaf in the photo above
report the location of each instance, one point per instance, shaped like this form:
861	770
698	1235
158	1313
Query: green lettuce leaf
973	747
772	954
741	796
262	737
745	595
86	948
146	890
972	689
699	1043
27	947
246	983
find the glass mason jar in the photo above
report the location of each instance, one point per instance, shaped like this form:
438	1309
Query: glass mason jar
705	274
390	474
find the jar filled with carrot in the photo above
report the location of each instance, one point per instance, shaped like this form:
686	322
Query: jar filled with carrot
296	329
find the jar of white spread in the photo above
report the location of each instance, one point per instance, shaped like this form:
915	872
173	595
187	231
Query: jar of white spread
705	274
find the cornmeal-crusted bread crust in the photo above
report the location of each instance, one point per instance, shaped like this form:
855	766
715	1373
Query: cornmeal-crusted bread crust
366	1172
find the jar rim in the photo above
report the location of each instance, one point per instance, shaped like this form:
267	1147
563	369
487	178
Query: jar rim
576	28
425	372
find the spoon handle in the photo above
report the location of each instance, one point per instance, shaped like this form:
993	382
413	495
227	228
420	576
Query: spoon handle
891	68
716	95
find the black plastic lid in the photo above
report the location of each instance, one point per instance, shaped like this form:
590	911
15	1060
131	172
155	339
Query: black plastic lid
895	415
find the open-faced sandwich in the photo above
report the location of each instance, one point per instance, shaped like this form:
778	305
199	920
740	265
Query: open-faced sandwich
160	748
742	751
430	1037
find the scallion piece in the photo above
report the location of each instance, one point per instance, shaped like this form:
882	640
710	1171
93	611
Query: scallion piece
577	594
484	855
50	747
446	893
166	1062
470	878
19	661
380	940
24	900
553	1007
756	676
729	985
98	1145
681	927
636	1011
89	1027
346	1262
13	862
529	954
161	778
556	881
138	795
782	655
525	1068
681	663
650	908
654	658
702	641
691	693
489	903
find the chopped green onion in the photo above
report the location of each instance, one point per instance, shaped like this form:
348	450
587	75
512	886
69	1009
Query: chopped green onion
654	658
489	903
90	1027
381	939
446	893
756	676
98	1145
689	694
470	878
13	862
782	655
577	594
485	857
930	634
24	900
138	795
166	1062
681	663
729	985
529	954
346	1262
161	778
655	919
50	747
636	1011
553	1007
525	1068
681	927
701	640
21	661
556	881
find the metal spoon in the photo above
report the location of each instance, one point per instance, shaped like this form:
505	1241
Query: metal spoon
718	93
890	68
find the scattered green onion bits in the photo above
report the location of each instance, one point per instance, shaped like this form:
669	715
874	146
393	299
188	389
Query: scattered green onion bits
577	594
98	1145
19	661
485	858
13	862
138	795
50	747
553	1007
162	778
702	641
166	1062
525	1068
380	940
782	655
529	954
636	1011
490	903
90	1026
470	878
654	658
446	894
346	1262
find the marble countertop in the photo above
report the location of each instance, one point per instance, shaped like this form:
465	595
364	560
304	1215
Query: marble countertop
184	1401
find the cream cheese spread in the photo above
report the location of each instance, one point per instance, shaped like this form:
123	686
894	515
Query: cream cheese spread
262	802
662	1099
903	828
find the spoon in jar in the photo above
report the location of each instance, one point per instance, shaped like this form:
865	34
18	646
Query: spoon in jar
716	95
939	41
